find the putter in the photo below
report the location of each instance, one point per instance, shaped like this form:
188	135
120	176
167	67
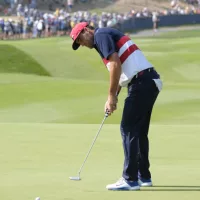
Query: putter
78	178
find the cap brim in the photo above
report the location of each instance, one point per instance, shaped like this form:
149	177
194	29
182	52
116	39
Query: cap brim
75	45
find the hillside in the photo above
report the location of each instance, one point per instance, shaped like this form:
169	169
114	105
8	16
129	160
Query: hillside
116	5
77	88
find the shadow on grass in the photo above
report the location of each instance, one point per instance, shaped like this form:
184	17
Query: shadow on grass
14	60
172	188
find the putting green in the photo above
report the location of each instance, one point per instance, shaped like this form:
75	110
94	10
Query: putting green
37	160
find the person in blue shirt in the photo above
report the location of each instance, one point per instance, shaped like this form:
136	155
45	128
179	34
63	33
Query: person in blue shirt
128	68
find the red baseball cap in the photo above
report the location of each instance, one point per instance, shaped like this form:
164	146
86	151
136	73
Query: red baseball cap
75	33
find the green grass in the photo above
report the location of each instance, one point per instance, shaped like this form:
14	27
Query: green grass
12	60
79	83
181	34
37	160
51	105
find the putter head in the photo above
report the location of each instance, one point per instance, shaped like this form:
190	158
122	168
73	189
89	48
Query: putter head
75	178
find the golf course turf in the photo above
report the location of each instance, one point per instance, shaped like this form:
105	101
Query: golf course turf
51	107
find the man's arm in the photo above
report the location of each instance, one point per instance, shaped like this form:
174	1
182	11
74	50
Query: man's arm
115	72
107	47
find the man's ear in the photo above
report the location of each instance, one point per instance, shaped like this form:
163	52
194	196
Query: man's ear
86	29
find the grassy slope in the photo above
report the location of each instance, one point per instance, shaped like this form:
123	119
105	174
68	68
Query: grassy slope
12	60
120	6
79	86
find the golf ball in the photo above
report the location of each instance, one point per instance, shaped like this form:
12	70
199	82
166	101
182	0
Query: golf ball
37	198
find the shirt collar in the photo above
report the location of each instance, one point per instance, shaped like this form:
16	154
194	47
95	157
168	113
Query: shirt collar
95	30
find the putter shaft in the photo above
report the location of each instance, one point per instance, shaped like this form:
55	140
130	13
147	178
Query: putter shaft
79	172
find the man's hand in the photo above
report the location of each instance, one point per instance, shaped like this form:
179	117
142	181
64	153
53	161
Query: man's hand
111	104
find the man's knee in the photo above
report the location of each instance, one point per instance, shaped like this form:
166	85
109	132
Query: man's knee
127	130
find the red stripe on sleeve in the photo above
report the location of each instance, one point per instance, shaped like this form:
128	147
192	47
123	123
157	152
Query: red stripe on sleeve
105	61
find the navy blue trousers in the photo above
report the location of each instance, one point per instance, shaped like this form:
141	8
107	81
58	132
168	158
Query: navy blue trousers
142	94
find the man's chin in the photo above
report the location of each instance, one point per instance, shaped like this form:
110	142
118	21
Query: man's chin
90	47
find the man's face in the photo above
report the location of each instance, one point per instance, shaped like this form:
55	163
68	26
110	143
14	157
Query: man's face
86	38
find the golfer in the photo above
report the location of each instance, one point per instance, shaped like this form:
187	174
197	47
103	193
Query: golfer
128	68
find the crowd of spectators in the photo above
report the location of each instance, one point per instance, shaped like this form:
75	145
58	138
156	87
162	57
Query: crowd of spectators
32	23
193	2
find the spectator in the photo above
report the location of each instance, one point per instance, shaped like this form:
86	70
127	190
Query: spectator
155	21
40	27
1	28
70	4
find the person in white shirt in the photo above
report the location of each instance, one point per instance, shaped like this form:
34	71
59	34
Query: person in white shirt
40	27
155	21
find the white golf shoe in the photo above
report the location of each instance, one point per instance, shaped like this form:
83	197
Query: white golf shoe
123	184
145	182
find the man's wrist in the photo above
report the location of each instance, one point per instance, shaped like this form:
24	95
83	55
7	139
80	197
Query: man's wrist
113	98
111	94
